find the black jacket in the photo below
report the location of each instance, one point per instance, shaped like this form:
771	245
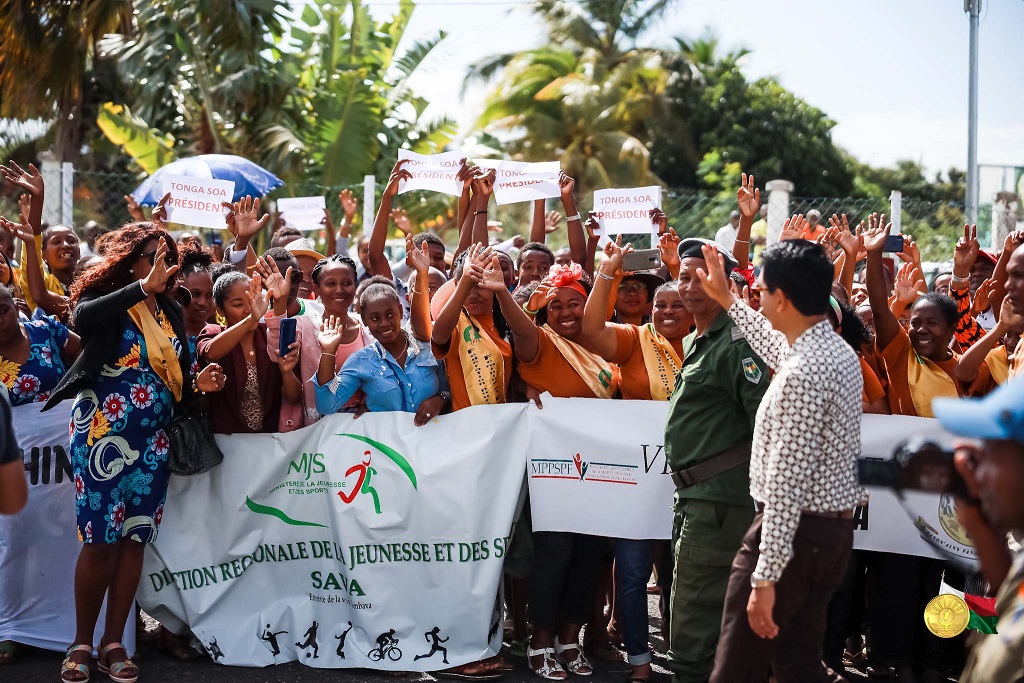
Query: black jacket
100	320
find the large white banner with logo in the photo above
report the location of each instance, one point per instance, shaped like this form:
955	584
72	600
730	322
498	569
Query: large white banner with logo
39	546
351	543
598	467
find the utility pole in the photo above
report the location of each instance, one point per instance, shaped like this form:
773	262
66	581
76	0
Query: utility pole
973	7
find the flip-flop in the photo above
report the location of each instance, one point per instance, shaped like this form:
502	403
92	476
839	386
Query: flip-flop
464	673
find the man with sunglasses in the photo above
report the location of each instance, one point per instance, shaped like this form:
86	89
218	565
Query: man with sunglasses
707	445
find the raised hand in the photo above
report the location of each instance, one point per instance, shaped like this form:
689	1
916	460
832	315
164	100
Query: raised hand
714	280
1013	240
874	237
551	222
748	197
491	277
211	378
25	207
983	297
566	184
398	175
966	251
793	227
466	174
246	210
402	222
349	204
21	230
31	180
278	286
160	274
668	245
659	219
1007	317
257	301
327	221
134	210
159	215
332	329
592	226
909	285
483	183
417	258
613	252
911	252
850	241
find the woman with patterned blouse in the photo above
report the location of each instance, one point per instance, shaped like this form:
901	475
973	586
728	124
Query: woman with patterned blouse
33	354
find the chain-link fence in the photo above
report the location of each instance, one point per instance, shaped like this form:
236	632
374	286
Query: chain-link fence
99	196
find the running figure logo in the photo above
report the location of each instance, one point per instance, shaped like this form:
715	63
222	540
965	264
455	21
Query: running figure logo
387	646
365	474
310	635
271	637
434	646
214	649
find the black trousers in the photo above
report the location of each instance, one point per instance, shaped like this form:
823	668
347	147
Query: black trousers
564	577
821	551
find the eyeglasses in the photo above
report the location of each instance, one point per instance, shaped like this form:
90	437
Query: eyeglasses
149	256
633	288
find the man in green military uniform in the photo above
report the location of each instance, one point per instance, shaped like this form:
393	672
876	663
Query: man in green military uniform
992	468
707	443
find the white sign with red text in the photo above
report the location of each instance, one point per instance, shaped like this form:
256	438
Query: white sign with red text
197	201
302	213
431	172
520	181
626	211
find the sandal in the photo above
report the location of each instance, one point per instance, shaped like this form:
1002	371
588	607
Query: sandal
124	671
8	649
474	671
579	666
75	672
550	669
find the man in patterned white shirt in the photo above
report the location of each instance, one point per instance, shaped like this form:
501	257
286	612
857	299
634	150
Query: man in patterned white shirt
803	471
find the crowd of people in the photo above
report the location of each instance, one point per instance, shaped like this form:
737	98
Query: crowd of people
136	323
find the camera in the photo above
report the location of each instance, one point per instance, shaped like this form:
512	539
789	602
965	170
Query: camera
916	465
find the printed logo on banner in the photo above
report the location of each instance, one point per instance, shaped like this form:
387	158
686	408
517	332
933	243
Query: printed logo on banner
953	537
580	470
358	480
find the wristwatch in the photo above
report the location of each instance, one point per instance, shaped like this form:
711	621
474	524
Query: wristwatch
759	583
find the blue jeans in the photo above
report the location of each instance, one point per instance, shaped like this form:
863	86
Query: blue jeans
633	562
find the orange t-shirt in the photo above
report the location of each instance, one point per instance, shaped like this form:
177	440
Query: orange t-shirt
634	383
813	233
987	381
873	390
551	372
898	356
453	361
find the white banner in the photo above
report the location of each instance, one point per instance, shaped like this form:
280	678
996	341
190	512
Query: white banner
626	211
39	546
598	467
519	181
302	213
325	545
197	201
432	172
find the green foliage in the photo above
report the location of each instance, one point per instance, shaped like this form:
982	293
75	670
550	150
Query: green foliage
149	148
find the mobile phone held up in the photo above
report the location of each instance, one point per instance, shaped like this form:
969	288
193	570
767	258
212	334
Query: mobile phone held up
644	259
287	336
893	244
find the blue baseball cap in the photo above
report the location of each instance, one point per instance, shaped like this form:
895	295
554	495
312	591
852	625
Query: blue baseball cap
1000	415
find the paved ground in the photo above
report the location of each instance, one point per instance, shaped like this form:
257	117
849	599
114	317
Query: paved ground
40	665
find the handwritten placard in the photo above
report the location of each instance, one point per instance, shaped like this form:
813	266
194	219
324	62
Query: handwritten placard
520	181
626	211
433	172
302	213
197	201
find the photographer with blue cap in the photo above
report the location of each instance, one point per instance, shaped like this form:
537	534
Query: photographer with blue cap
993	471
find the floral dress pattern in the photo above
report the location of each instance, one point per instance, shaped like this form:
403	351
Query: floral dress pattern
33	380
119	448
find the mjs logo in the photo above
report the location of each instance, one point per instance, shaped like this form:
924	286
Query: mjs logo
309	475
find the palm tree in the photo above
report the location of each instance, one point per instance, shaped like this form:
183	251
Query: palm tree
48	66
705	52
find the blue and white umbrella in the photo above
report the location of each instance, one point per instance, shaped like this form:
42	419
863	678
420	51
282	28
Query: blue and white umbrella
249	178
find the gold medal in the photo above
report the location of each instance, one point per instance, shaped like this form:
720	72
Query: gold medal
946	615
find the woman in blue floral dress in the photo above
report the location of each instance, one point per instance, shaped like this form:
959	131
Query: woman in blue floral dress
134	367
33	354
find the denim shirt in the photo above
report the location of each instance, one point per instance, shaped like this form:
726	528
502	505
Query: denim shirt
388	386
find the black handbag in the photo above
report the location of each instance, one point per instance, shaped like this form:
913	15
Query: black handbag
193	448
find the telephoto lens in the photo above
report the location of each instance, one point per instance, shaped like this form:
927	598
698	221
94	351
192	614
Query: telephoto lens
916	465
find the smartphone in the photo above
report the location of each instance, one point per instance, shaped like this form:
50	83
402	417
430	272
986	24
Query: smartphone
893	244
287	337
644	259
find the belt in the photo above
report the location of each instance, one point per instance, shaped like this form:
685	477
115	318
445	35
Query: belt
827	514
713	466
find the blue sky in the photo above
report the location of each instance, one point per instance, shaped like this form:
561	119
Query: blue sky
893	74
